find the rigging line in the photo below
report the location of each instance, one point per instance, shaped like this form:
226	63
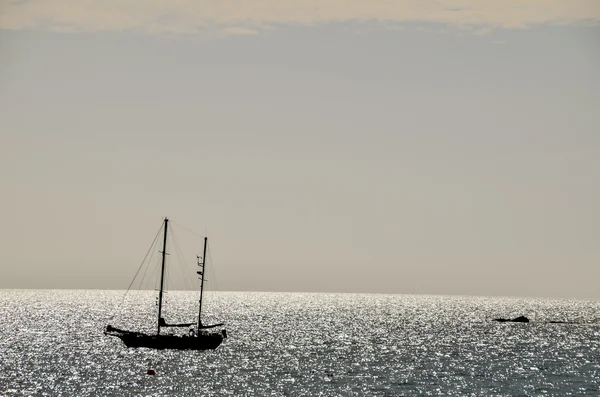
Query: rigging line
169	287
149	249
190	281
166	288
158	273
209	284
209	270
212	270
189	230
144	285
148	265
215	298
166	278
156	279
154	269
185	274
182	263
193	232
139	268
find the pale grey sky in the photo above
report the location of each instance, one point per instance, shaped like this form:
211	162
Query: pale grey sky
442	147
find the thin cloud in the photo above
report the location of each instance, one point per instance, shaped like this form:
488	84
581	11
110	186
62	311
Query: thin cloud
250	16
237	31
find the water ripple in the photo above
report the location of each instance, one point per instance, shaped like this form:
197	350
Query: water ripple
51	343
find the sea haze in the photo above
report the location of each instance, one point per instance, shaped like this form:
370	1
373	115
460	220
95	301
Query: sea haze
291	344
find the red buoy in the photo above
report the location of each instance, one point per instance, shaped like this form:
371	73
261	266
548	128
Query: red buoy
151	372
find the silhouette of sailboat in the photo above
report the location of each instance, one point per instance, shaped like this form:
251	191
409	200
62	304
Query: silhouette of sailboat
202	337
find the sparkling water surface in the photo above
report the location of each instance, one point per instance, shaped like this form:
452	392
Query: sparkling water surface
289	344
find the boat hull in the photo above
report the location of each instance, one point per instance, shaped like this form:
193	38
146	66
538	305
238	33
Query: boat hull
203	341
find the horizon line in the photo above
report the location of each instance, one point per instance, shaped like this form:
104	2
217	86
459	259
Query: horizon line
318	293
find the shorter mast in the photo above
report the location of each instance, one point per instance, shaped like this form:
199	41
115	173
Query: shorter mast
201	273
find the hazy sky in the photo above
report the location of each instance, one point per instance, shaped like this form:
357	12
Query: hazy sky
441	147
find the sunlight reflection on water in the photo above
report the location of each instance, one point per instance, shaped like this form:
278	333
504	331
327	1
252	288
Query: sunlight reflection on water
51	343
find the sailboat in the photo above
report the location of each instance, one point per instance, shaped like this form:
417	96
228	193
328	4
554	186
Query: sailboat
199	337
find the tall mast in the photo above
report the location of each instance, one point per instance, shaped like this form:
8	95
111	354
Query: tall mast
201	273
162	275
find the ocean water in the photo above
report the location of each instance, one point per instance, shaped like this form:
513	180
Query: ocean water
51	344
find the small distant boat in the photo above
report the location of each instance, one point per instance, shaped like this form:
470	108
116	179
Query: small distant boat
199	337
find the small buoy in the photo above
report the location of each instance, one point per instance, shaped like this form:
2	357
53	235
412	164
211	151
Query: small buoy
151	372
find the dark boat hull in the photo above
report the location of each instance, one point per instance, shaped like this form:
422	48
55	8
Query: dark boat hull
203	341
